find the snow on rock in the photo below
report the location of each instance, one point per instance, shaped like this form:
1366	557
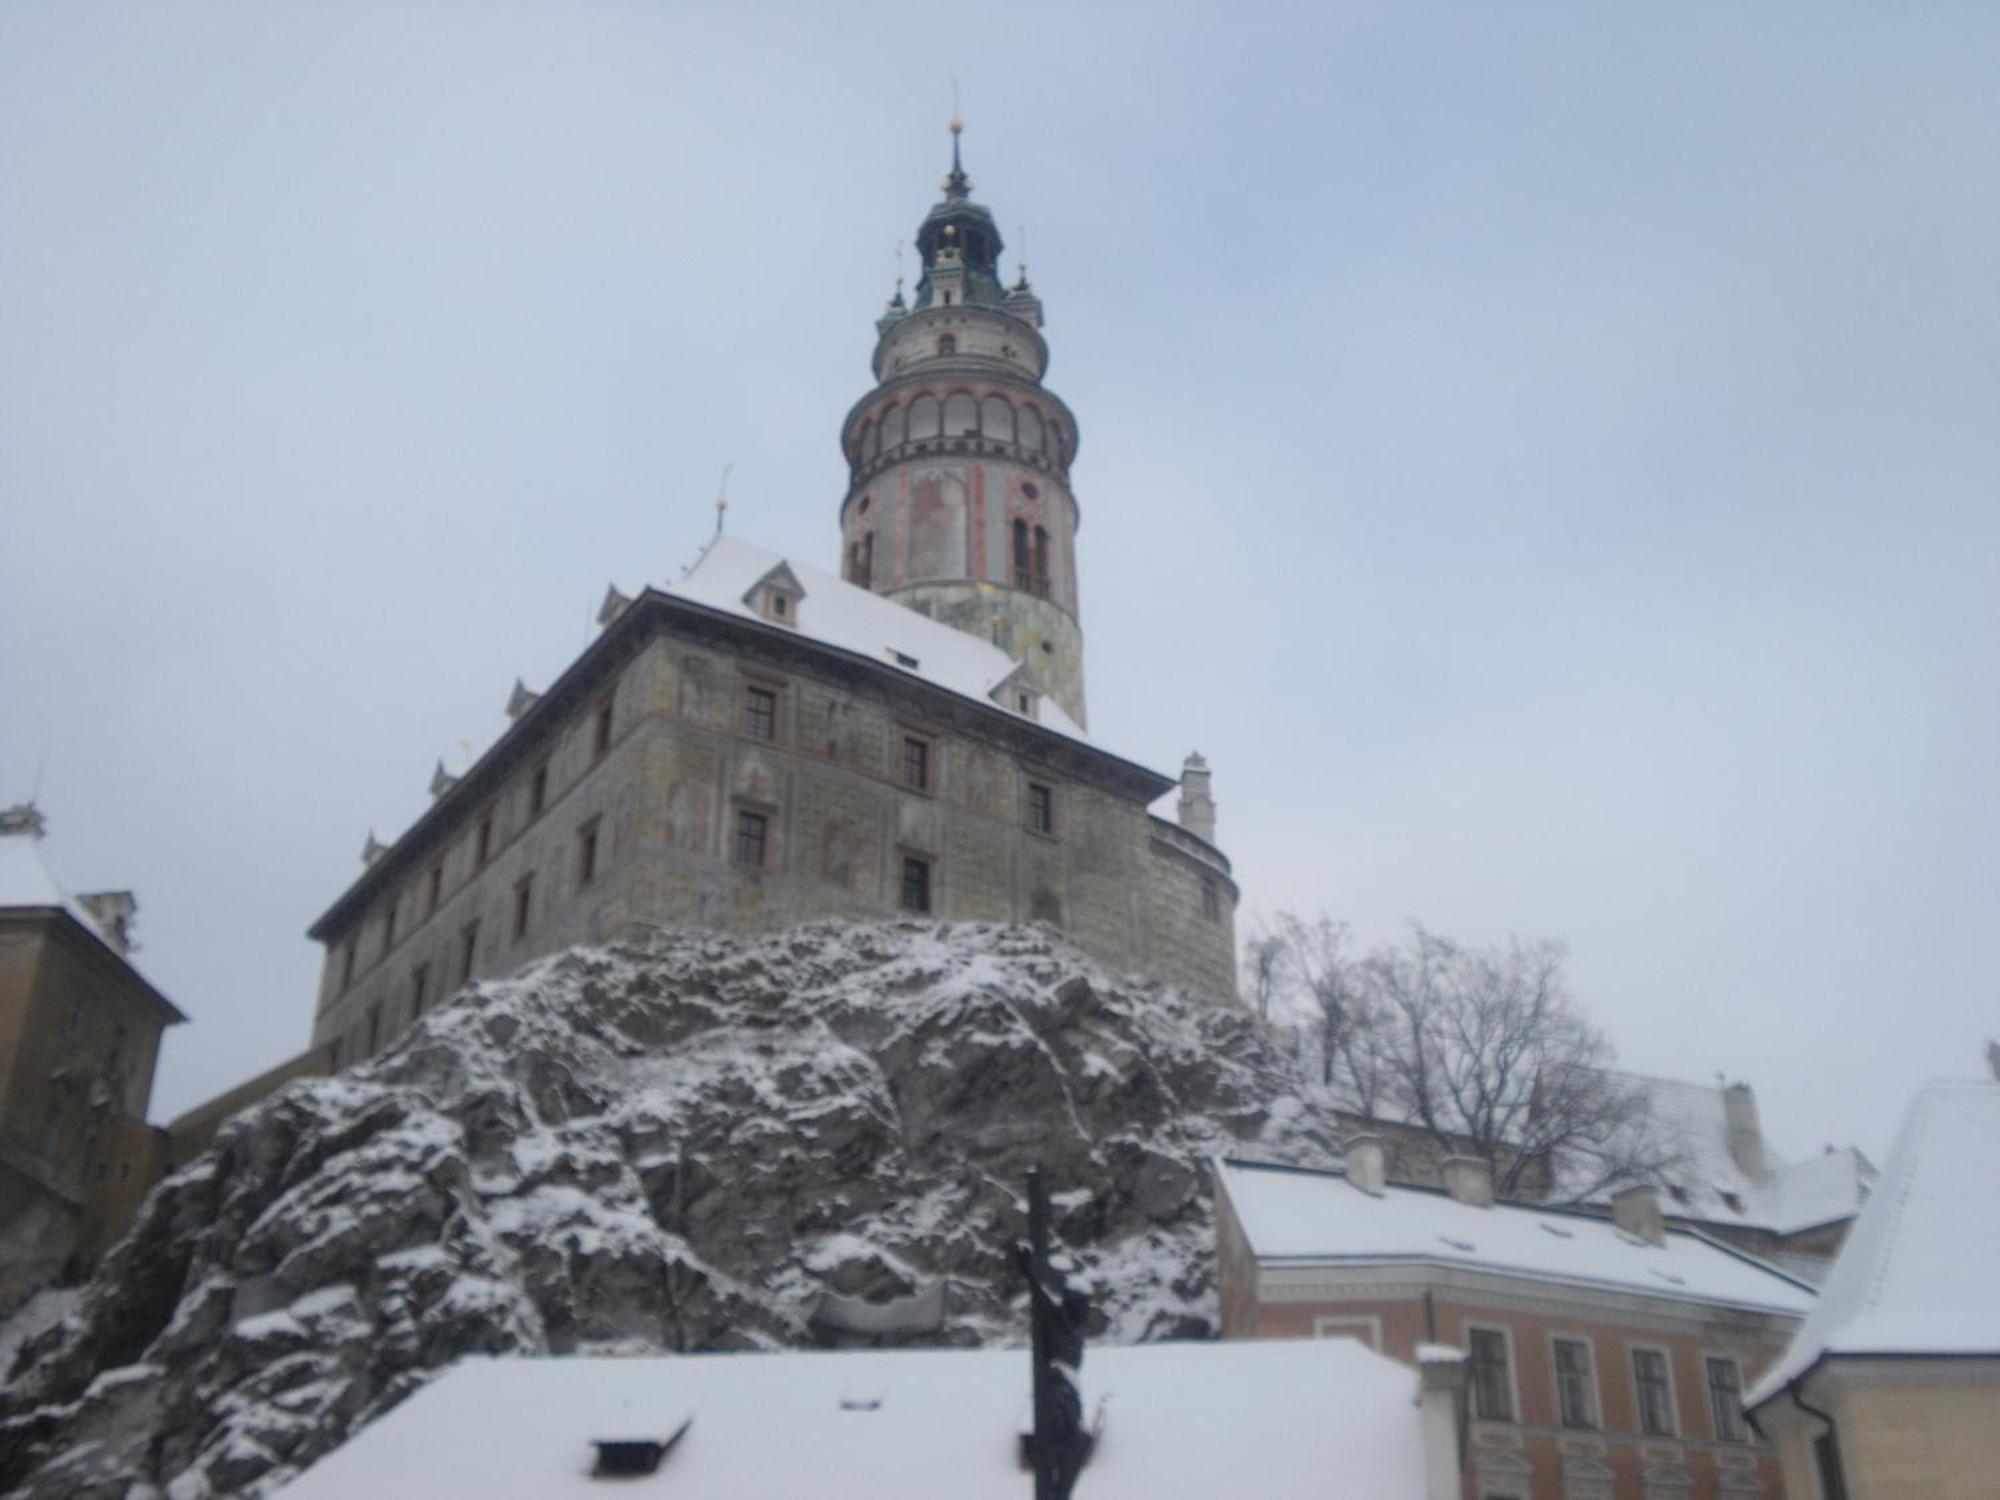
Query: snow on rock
670	1148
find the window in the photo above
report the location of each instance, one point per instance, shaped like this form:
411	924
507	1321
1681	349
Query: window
420	989
1211	900
947	343
72	1028
1041	808
780	604
752	836
916	763
1042	561
760	713
524	895
389	928
468	946
916	884
1655	1387
435	888
1023	577
538	790
482	843
586	854
1491	1384
1725	1400
1576	1386
374	1031
600	735
347	964
51	1128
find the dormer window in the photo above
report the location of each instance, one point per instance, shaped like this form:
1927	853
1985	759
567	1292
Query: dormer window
776	596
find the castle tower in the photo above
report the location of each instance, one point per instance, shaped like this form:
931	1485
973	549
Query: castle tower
958	498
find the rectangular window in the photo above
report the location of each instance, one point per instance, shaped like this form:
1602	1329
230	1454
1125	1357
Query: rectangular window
1653	1382
1041	808
374	1031
1486	1372
420	989
436	887
916	884
1576	1386
389	928
468	949
347	964
752	834
600	734
1211	900
524	895
760	714
538	790
482	843
586	854
1725	1400
916	763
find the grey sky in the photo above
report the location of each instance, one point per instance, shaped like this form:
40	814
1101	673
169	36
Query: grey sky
1544	455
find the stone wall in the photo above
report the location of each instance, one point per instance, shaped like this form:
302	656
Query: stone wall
681	765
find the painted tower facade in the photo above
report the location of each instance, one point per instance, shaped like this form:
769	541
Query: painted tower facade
958	499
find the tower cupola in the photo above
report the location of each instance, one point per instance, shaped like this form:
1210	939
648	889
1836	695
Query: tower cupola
959	245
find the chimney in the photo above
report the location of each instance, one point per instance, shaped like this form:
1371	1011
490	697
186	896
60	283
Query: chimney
1636	1210
1366	1164
1469	1179
114	913
1746	1137
1197	809
1440	1389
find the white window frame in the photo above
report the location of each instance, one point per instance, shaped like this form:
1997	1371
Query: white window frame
1513	1371
1365	1326
1674	1428
1595	1393
1708	1397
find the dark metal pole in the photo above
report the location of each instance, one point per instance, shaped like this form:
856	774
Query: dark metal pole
1038	1330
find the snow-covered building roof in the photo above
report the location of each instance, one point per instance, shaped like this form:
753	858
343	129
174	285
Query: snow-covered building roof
1327	1419
837	613
1913	1277
1731	1175
1295	1215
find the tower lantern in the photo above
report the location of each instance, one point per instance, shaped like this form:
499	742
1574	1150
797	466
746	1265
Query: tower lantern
958	501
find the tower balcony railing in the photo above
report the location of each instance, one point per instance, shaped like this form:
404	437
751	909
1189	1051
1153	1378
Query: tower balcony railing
969	444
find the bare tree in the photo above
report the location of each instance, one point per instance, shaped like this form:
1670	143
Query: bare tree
1263	961
1482	1050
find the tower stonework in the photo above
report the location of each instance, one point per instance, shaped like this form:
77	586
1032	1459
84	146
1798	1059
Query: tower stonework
958	501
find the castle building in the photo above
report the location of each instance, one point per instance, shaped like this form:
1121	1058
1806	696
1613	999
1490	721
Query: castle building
761	742
79	1035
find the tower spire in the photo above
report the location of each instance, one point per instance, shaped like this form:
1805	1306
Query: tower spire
957	186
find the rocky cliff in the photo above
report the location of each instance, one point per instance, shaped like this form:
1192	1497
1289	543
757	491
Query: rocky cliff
680	1147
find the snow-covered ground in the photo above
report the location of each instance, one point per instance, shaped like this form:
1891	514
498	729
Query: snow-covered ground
667	1149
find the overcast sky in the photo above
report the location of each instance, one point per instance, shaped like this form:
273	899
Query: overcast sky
1545	456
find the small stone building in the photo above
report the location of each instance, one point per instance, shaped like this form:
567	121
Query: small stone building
79	1036
1892	1388
763	742
1605	1359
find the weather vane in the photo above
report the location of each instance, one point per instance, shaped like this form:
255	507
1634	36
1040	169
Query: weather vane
722	496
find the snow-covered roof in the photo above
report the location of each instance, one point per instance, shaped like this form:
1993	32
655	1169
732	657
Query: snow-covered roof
1913	1277
1291	1214
1783	1196
1324	1418
838	613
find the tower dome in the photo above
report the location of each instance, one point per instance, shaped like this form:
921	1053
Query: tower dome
958	502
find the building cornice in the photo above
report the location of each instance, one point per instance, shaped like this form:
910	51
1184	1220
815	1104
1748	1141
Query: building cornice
654	611
66	927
